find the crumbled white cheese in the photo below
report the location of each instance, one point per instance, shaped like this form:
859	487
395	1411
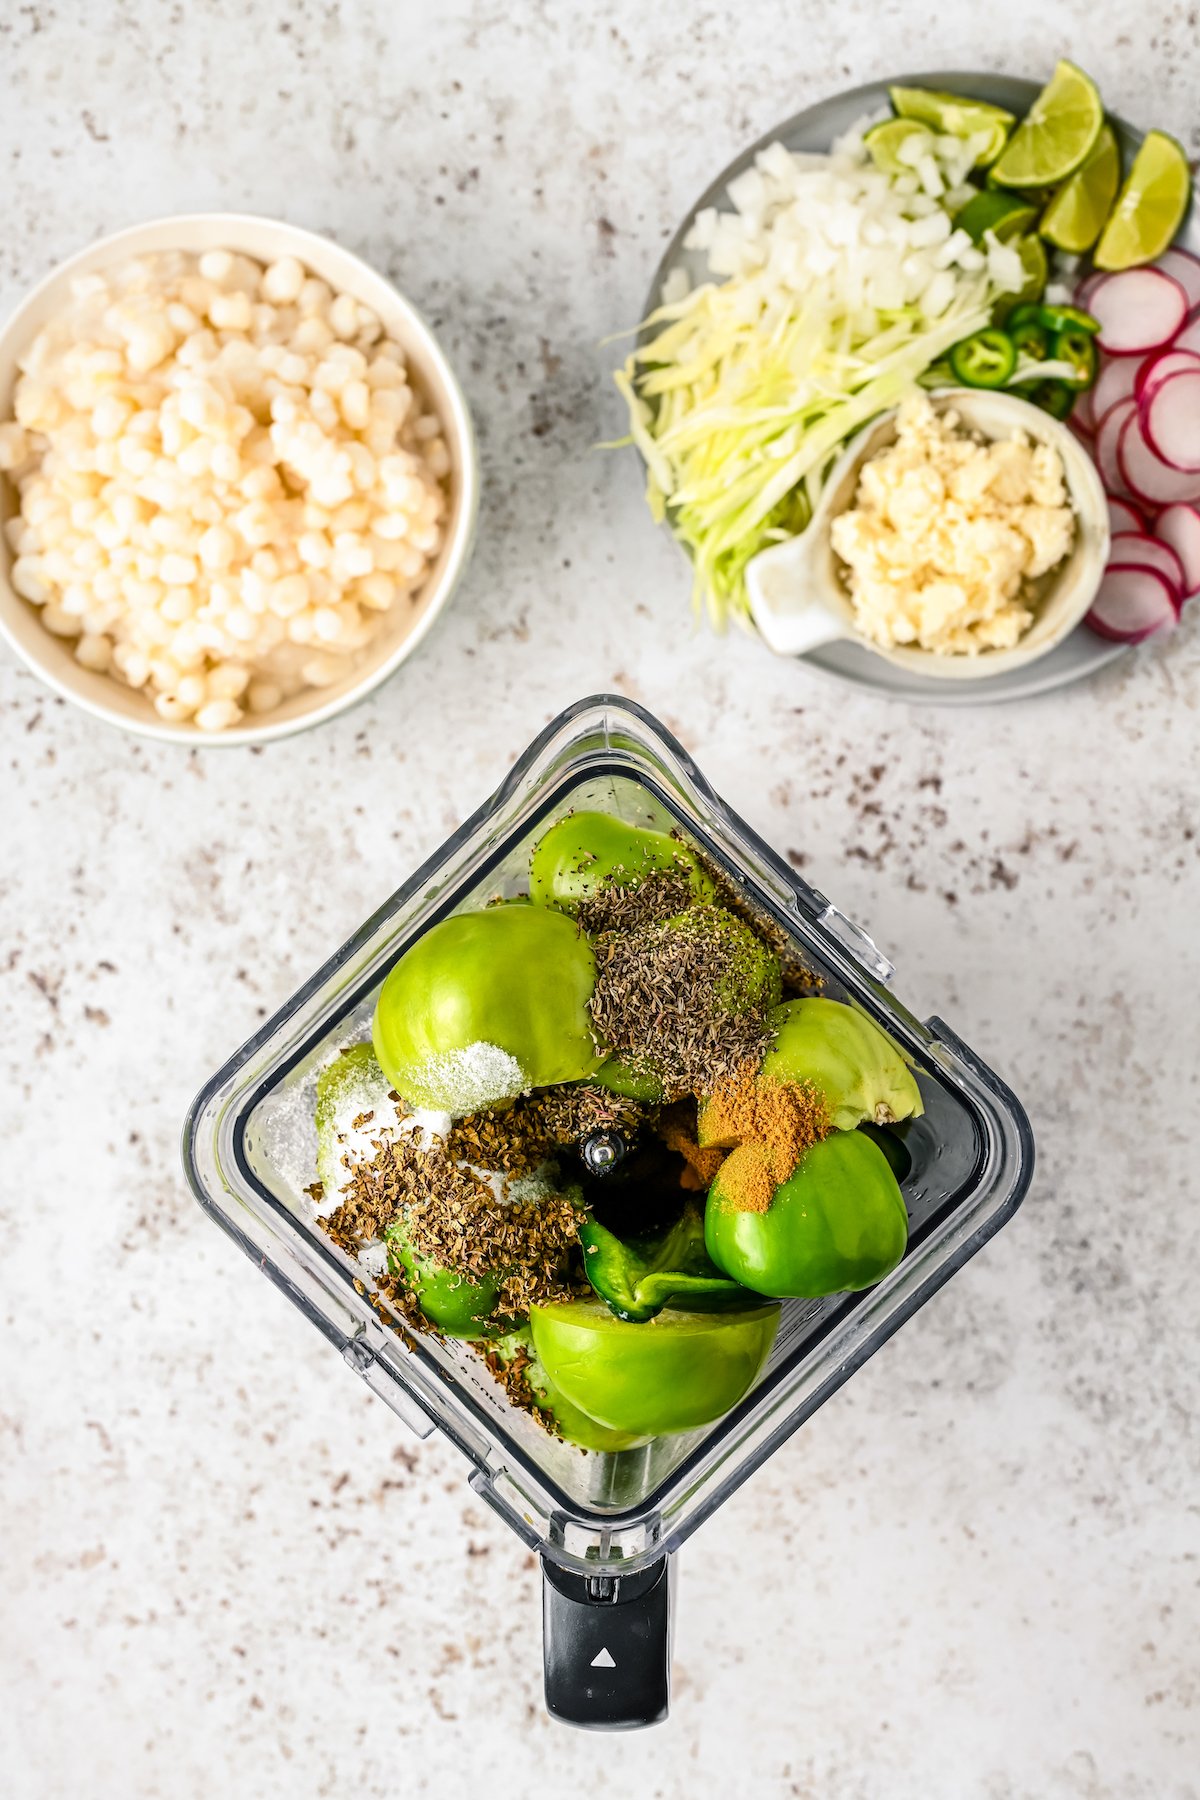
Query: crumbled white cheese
947	533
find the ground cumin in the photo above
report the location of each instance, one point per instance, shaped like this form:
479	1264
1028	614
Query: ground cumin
676	1126
774	1121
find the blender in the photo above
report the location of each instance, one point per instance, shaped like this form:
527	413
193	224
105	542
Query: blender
605	1526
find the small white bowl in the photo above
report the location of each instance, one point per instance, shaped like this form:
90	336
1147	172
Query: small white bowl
403	628
798	597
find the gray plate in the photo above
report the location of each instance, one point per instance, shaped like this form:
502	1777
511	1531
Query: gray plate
814	129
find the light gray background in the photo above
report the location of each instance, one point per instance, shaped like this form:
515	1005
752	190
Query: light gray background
224	1569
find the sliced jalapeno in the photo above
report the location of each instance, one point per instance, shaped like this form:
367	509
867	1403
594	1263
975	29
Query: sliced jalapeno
1065	318
1054	397
1076	346
985	360
1030	338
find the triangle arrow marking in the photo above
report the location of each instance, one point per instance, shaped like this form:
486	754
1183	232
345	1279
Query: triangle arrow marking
603	1660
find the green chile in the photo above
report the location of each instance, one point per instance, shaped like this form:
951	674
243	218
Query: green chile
837	1224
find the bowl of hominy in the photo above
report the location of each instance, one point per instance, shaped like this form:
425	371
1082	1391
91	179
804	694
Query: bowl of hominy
238	479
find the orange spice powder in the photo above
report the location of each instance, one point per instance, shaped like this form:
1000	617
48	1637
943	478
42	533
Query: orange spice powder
773	1123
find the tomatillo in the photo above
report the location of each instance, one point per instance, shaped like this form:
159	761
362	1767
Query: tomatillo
680	1370
859	1071
487	1005
590	850
837	1224
575	1426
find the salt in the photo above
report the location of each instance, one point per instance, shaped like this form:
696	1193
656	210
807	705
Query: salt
478	1075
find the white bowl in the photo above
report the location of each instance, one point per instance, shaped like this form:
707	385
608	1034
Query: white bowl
798	596
403	628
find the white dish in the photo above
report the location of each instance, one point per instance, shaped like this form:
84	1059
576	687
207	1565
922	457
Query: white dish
1081	652
266	239
796	592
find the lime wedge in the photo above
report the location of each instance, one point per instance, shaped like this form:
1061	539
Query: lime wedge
1037	273
1075	216
1149	206
1057	132
1007	215
951	115
886	140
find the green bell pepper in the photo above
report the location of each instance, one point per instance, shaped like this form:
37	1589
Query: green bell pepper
588	851
639	1276
679	1370
487	1005
837	1224
835	1047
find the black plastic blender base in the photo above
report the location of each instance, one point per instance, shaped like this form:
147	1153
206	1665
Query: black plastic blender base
607	1646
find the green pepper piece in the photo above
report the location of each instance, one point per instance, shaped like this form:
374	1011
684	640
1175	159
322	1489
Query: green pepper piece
588	851
486	1005
354	1084
457	1304
677	1371
1064	318
639	1276
984	360
1054	397
837	1224
1076	346
1030	338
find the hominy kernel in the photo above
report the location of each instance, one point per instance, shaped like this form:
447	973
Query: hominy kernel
208	491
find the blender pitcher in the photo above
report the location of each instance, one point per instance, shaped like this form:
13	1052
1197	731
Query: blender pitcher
605	1525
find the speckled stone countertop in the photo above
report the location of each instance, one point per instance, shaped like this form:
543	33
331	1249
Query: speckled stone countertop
225	1570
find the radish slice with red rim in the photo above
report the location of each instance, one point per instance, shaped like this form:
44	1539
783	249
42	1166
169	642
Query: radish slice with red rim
1086	288
1184	268
1108	443
1116	381
1145	474
1189	337
1124	516
1138	310
1130	605
1178	527
1161	366
1170	419
1083	418
1138	550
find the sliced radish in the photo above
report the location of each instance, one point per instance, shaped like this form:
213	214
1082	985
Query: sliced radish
1170	418
1138	550
1083	416
1087	287
1115	381
1189	337
1178	527
1153	370
1138	310
1184	268
1131	604
1123	516
1108	443
1144	472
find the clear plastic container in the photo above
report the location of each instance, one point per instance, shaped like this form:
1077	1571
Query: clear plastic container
605	1525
